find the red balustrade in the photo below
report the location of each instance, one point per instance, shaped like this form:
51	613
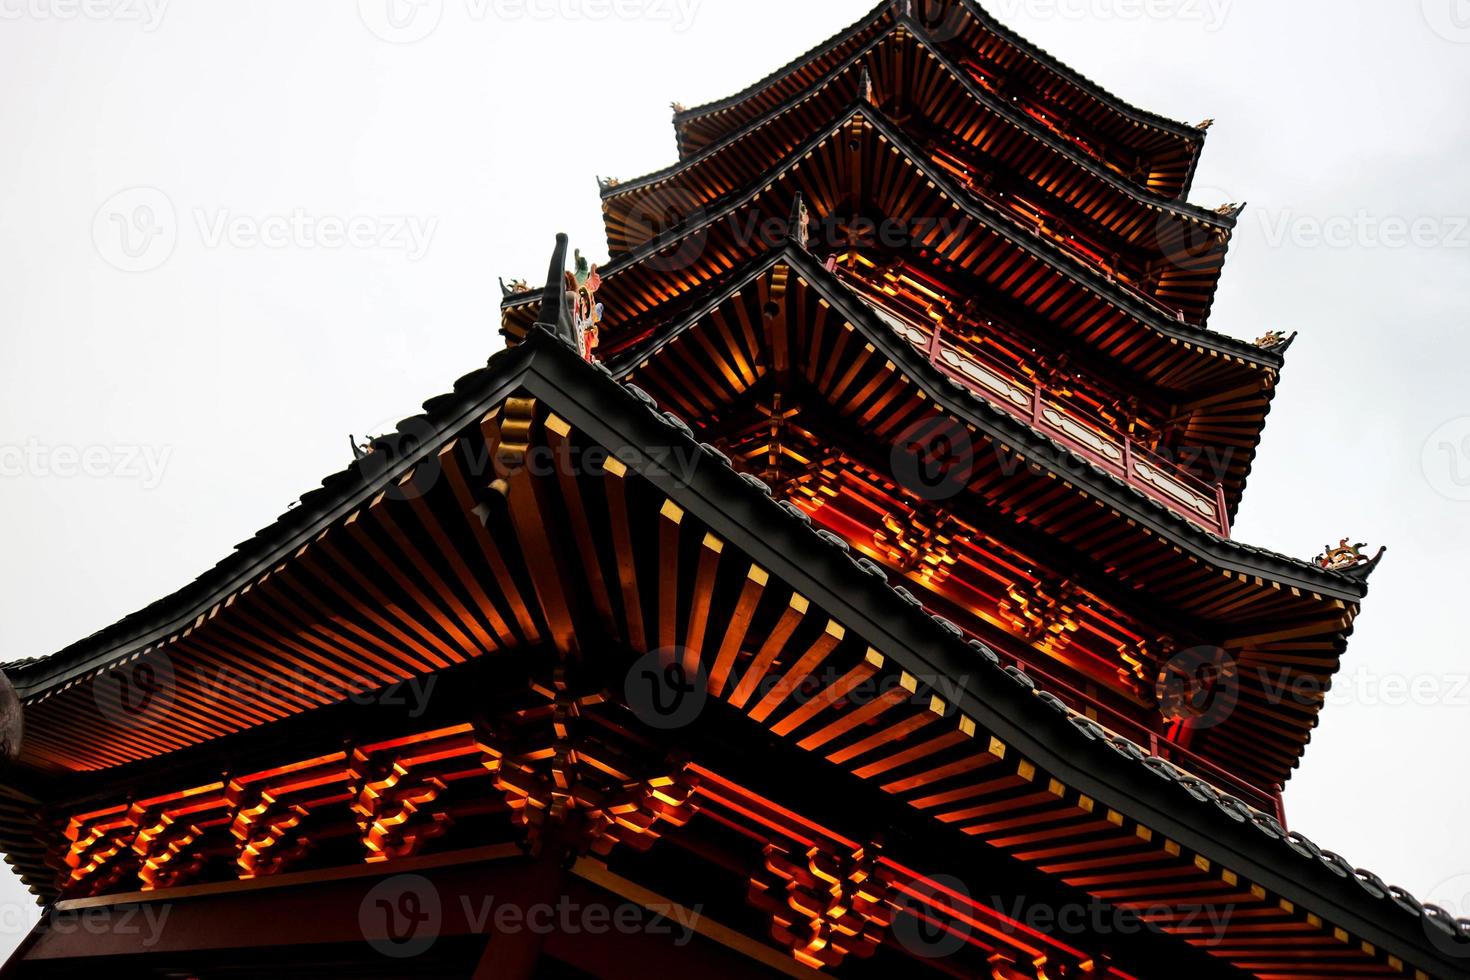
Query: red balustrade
1156	744
1160	479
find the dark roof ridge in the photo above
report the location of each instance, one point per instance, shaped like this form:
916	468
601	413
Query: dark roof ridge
1010	36
1143	194
1047	252
841	296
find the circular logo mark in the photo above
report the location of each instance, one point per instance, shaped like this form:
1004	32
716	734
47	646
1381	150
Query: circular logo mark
1447	459
1184	241
680	212
1200	686
664	691
136	230
934	459
137	693
1453	896
383	447
401	21
924	924
401	917
1450	19
936	21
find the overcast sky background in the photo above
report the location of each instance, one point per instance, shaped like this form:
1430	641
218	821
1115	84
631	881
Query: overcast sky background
149	420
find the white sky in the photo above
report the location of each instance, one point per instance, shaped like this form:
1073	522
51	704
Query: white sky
215	389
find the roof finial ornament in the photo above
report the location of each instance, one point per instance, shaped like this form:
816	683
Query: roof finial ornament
583	282
800	228
1205	125
364	449
515	287
1274	340
678	107
1345	557
608	183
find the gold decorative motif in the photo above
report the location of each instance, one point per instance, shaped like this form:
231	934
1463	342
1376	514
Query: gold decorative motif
824	906
99	857
566	793
1044	611
1343	557
1271	339
167	850
582	284
394	808
1143	660
262	826
926	542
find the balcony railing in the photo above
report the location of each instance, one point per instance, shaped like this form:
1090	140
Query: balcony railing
1155	744
1025	217
1159	479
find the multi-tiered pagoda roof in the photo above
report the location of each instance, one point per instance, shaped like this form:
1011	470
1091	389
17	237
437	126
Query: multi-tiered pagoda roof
893	432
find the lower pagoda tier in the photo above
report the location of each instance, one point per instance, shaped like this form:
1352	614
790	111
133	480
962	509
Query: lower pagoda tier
542	655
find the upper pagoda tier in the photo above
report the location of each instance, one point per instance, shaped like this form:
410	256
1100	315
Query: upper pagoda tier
892	217
1168	255
1149	150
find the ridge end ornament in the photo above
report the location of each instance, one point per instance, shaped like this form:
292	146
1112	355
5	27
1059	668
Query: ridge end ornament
582	283
1345	556
514	287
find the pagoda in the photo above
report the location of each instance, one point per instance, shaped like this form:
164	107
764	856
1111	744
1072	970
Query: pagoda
836	582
